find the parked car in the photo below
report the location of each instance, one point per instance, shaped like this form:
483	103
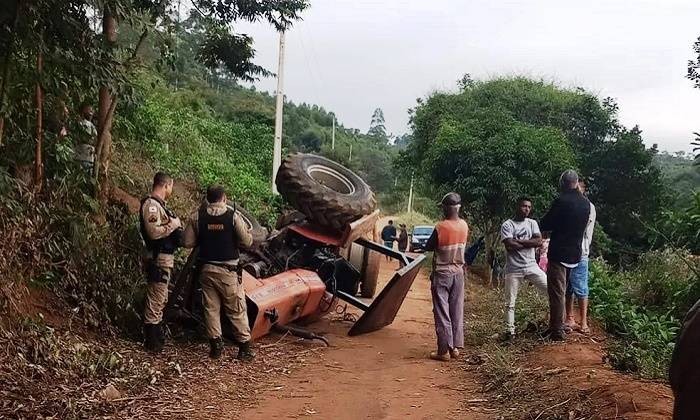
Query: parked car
419	237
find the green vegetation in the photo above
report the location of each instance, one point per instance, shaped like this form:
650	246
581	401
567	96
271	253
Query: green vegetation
644	306
494	140
679	172
183	137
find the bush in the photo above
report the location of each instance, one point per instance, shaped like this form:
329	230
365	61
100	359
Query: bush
643	308
189	143
52	242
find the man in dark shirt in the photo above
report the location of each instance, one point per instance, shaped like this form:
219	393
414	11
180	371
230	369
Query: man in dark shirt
566	220
389	236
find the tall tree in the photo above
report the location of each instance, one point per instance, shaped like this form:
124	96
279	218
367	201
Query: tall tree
588	124
377	129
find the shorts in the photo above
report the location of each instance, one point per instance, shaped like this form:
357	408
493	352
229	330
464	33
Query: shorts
389	244
577	282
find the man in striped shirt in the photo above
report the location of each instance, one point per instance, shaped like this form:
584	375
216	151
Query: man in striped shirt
448	242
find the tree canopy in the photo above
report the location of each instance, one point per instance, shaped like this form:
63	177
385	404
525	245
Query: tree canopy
496	139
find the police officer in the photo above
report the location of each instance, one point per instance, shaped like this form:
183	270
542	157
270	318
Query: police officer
218	230
161	231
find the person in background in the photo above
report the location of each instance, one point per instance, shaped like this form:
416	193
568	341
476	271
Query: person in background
566	221
403	238
577	284
520	236
448	242
84	149
389	236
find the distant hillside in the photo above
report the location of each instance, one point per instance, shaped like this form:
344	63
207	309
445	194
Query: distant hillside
680	173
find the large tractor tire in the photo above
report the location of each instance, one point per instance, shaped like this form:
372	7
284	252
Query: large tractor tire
370	275
326	192
367	262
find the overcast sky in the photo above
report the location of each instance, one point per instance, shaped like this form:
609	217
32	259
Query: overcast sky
352	56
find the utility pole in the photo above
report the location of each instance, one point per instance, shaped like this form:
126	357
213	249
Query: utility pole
410	196
333	134
277	156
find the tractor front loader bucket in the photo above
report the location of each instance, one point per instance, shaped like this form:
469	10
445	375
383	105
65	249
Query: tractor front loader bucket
383	309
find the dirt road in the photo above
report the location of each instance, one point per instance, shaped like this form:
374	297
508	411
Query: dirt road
382	375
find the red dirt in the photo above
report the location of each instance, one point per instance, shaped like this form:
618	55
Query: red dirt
384	374
614	394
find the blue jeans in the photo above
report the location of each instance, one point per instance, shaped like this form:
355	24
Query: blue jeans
577	283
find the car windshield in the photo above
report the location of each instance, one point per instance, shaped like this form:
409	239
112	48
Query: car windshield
423	231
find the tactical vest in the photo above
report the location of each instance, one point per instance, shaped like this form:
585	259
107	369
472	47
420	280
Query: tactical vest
216	237
167	245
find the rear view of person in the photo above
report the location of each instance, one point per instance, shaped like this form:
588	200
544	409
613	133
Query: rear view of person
566	220
448	242
577	284
389	236
521	236
403	238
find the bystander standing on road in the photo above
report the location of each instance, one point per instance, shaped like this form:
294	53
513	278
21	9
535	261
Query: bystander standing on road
389	236
448	242
403	238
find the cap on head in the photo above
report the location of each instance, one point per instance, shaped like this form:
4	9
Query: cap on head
451	199
568	180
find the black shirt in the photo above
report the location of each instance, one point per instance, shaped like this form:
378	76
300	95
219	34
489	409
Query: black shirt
566	220
388	233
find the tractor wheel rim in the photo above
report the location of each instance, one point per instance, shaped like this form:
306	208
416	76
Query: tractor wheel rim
331	179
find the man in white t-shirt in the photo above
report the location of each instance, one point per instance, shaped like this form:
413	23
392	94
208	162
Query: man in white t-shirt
577	283
521	237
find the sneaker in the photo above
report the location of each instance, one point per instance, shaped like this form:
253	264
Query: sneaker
441	357
507	337
454	353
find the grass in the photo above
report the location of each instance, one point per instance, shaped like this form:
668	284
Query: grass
512	388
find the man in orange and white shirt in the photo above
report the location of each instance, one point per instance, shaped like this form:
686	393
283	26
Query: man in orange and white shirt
448	242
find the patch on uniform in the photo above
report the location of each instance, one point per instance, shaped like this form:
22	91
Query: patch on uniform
152	209
215	227
152	219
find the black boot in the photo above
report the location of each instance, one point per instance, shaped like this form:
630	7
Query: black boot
161	335
150	341
245	353
154	338
216	346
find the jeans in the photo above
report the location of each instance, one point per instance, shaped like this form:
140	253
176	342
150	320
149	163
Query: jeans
577	283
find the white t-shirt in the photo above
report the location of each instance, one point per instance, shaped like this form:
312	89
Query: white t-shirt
588	234
520	259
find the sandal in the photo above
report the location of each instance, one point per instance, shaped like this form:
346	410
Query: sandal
584	330
441	357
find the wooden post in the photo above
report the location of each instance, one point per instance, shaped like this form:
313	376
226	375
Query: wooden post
38	155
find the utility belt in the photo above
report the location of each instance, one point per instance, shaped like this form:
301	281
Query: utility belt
232	268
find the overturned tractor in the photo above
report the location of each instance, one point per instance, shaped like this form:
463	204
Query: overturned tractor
320	253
